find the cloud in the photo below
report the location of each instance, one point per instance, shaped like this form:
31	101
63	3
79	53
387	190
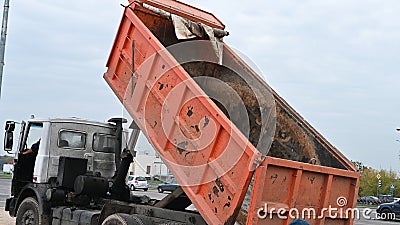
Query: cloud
336	62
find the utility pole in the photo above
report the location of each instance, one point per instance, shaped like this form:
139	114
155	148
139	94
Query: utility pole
3	40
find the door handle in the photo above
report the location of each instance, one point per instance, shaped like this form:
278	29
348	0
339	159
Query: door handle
89	158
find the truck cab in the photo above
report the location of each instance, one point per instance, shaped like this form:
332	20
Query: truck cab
78	173
75	138
39	171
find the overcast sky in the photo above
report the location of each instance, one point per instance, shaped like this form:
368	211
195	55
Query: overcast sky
336	62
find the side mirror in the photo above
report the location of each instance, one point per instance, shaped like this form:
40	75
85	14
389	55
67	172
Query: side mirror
9	136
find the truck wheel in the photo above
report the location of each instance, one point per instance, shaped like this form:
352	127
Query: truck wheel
385	215
28	213
145	189
132	187
160	190
125	219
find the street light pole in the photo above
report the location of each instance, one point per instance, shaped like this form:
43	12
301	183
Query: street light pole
398	130
399	150
3	39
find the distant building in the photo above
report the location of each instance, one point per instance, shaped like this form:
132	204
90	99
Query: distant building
8	168
148	164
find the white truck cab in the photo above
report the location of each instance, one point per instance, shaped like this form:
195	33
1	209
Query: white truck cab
76	138
94	141
66	161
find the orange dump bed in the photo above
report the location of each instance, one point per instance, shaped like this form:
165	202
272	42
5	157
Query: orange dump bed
320	195
213	120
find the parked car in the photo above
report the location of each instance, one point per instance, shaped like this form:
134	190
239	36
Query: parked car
137	182
389	211
374	200
386	198
168	186
369	200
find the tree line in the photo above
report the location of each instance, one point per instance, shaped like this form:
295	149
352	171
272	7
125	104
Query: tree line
369	181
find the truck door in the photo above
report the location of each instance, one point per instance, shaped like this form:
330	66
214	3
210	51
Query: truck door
30	135
103	149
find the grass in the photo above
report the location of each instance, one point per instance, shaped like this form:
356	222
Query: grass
153	184
4	175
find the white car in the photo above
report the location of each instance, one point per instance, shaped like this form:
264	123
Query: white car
137	182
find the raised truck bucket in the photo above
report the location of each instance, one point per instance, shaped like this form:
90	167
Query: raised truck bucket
214	121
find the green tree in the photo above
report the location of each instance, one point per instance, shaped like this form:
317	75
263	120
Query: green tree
369	182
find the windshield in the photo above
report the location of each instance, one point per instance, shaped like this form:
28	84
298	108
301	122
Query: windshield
141	179
35	133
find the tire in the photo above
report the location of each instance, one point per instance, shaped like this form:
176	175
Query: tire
28	213
385	214
132	187
125	219
160	190
145	189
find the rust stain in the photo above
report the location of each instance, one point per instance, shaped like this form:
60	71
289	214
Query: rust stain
190	111
206	121
274	178
216	191
228	204
196	127
220	185
161	86
182	146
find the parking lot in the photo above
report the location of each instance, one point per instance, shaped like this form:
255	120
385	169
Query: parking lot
5	185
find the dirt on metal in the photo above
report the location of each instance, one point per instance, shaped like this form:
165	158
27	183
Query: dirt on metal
292	140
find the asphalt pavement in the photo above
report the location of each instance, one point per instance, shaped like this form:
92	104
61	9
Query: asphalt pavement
5	191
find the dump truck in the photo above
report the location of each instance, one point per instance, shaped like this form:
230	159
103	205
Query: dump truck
240	152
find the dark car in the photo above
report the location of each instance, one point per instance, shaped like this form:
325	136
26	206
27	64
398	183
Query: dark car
388	211
169	186
386	198
369	200
361	200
